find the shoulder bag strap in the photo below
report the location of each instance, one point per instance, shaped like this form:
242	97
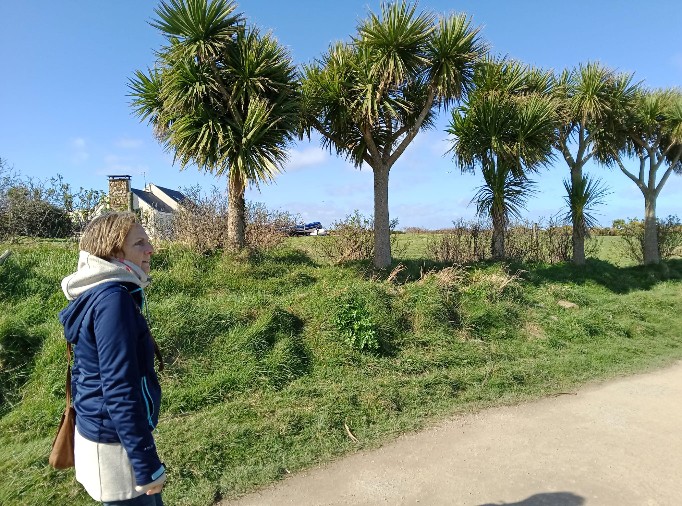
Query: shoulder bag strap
68	374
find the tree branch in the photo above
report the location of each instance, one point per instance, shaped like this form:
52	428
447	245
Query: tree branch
412	131
659	187
667	173
219	82
629	174
563	147
371	145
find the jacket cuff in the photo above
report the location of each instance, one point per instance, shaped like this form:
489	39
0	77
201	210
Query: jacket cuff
159	477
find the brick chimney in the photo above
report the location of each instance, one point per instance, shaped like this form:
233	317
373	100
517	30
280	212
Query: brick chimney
120	197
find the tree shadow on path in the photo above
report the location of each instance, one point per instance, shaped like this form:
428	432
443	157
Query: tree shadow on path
546	499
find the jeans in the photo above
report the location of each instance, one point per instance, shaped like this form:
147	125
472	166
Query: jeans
143	500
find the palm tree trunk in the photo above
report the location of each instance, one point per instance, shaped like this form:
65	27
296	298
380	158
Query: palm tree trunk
498	234
382	232
651	255
578	232
236	210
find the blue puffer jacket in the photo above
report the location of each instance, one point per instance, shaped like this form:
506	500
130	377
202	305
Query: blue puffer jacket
115	389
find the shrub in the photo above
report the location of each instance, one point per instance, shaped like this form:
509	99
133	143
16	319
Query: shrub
201	221
534	242
669	231
466	242
265	228
352	239
24	213
51	209
525	241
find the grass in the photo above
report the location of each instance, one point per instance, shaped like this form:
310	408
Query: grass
262	378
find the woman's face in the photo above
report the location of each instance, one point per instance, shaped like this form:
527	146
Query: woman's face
137	248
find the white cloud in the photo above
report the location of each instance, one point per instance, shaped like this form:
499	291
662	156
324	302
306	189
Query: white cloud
310	157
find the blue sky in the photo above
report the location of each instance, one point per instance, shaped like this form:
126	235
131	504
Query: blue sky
64	107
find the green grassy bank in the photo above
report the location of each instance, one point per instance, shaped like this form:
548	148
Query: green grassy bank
264	373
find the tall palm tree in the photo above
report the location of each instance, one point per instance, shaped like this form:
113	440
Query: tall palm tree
505	127
369	99
223	97
654	138
590	99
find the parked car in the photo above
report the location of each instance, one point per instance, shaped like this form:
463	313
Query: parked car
313	228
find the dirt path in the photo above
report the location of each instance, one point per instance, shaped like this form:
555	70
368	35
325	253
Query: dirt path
612	444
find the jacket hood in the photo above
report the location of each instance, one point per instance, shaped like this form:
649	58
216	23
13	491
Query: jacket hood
93	271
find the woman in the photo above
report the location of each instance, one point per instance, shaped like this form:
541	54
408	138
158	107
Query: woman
115	390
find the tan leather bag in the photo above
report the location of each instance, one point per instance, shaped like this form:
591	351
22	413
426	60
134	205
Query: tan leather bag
61	456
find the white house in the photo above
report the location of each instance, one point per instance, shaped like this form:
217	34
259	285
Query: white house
155	204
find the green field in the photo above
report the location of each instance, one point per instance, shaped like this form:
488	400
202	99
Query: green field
264	372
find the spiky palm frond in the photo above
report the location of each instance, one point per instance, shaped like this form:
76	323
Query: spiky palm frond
396	42
592	101
535	123
145	91
503	193
518	130
454	49
592	92
197	28
582	200
502	75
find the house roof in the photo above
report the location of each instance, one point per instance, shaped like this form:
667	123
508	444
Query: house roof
153	201
174	194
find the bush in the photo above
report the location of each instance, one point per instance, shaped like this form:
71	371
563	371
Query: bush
51	209
201	223
534	242
466	242
265	228
525	241
352	239
24	213
669	231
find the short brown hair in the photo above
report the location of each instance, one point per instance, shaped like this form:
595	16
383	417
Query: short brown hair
104	236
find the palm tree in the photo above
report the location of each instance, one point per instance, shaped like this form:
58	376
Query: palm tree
505	127
223	97
369	99
654	137
590	99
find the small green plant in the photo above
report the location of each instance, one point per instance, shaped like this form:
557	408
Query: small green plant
355	323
